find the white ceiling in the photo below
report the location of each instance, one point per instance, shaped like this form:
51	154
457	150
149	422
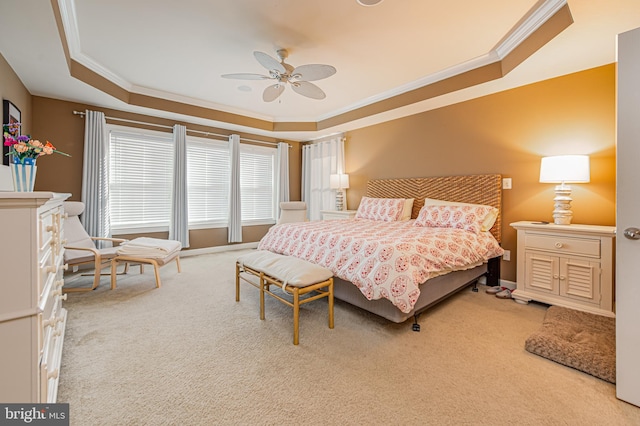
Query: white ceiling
178	50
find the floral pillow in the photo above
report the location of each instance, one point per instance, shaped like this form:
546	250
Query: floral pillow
488	220
383	209
469	218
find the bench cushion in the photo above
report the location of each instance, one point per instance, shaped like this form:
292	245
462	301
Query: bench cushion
290	270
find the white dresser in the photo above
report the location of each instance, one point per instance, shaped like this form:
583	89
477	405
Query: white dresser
566	265
32	319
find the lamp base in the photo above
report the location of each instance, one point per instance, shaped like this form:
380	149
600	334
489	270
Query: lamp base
339	200
562	213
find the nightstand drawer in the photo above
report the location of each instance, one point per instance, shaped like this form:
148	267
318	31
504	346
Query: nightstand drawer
561	244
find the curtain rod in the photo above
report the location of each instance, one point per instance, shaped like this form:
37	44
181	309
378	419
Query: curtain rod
82	114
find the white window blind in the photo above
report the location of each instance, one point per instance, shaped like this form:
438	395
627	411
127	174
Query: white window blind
208	171
140	179
257	183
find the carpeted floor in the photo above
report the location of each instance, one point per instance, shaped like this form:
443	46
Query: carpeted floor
581	340
188	354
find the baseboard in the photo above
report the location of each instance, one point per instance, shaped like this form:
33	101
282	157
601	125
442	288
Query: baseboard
217	249
503	283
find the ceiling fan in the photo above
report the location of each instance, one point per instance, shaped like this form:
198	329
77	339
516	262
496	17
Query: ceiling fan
299	77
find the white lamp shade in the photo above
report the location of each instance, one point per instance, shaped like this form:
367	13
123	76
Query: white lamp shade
339	181
565	169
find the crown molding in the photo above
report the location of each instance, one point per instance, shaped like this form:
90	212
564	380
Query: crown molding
397	97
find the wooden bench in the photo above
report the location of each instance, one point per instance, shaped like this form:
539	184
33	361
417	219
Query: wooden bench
293	276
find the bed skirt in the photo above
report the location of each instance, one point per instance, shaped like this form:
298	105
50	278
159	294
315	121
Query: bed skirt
431	292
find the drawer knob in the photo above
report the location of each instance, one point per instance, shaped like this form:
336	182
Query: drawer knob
53	374
49	322
562	277
65	266
63	297
51	269
558	244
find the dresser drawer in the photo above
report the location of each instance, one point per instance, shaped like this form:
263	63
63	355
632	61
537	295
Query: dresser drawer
561	244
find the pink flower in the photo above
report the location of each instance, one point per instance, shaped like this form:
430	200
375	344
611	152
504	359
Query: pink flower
20	147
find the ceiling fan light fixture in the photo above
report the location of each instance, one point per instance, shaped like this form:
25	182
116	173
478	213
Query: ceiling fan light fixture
299	77
368	3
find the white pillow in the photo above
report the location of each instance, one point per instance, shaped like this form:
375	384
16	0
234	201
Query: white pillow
407	209
488	220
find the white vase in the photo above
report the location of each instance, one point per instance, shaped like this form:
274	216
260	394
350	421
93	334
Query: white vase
24	174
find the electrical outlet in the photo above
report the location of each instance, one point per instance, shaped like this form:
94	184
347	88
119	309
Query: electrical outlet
506	183
507	255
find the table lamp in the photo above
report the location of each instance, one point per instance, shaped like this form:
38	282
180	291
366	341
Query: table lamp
339	182
564	169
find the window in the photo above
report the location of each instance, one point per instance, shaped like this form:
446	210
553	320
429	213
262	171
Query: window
208	170
140	180
208	180
257	183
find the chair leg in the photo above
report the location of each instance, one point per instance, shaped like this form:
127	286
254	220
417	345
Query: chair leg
156	270
178	263
96	277
114	272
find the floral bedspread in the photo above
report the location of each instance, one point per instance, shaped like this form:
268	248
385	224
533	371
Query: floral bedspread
383	259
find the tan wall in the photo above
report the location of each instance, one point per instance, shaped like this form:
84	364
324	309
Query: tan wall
55	121
12	89
504	133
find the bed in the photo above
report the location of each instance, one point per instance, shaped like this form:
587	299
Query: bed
414	284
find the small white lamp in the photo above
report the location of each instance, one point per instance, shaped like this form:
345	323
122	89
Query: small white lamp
339	182
564	169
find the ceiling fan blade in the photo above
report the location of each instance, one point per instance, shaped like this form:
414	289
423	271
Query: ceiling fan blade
268	62
307	89
246	76
272	92
313	72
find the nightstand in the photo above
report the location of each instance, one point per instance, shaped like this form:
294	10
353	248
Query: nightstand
566	265
338	214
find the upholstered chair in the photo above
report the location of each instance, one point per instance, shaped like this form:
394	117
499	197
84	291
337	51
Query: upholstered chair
80	248
292	211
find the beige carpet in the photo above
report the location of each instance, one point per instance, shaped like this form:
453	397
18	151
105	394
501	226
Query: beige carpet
581	340
188	354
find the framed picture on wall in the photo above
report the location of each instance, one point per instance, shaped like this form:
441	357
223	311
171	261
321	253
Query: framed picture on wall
10	115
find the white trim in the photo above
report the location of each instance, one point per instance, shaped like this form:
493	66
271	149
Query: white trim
511	285
70	24
218	249
531	24
512	40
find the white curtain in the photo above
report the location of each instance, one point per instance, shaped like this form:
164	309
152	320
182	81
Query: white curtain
319	161
235	206
95	176
282	169
179	224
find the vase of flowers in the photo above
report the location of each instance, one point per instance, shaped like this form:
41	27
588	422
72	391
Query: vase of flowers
24	152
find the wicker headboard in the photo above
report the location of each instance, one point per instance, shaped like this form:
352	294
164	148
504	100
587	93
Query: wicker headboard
476	189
